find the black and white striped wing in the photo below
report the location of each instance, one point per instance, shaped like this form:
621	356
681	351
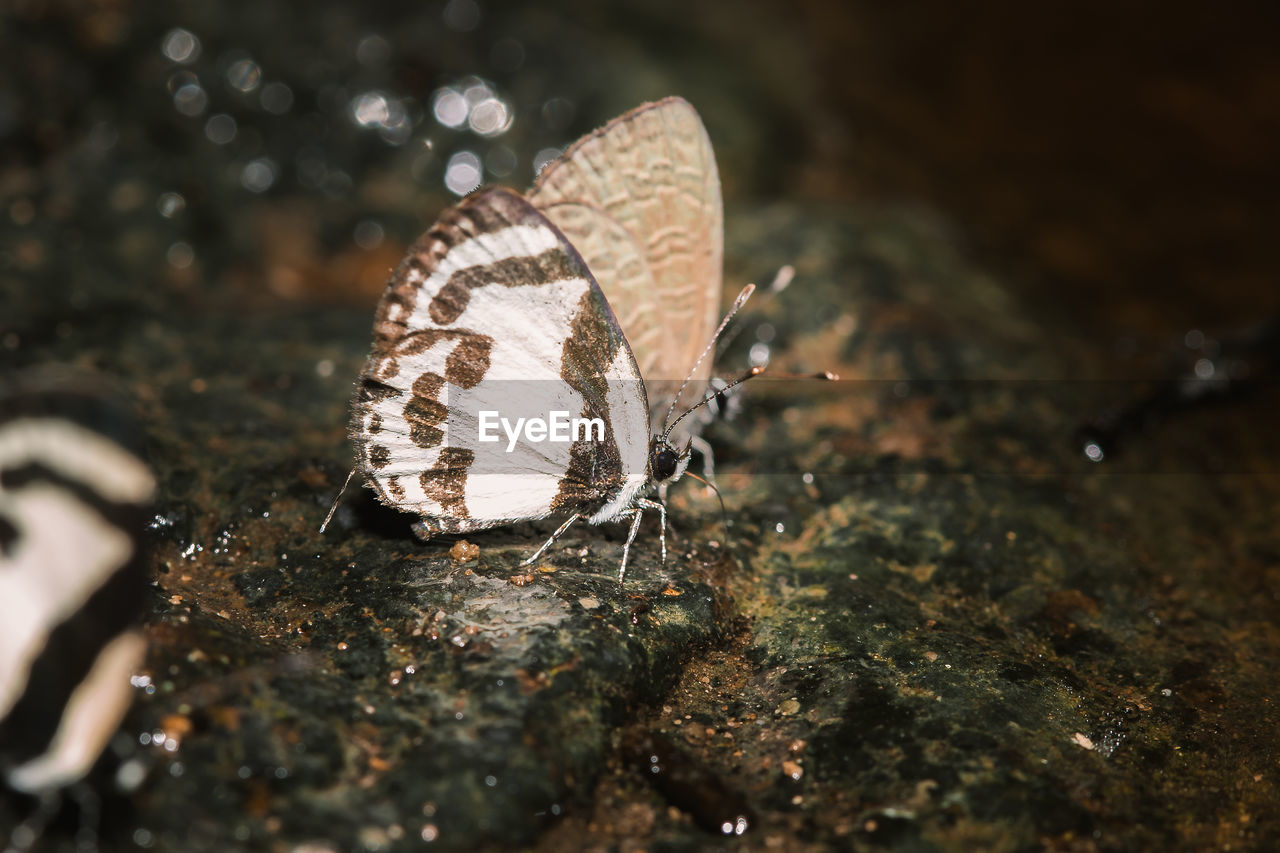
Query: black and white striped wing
73	503
494	311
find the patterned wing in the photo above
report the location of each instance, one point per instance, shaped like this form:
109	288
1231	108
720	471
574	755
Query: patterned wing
640	200
494	312
73	503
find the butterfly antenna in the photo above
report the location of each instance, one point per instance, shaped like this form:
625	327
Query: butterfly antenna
341	491
750	374
724	514
737	304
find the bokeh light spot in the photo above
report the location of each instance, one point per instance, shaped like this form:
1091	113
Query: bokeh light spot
276	98
170	204
449	107
258	175
180	46
462	16
244	75
368	234
543	157
463	173
220	129
190	99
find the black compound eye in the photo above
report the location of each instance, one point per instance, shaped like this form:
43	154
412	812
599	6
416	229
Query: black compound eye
663	463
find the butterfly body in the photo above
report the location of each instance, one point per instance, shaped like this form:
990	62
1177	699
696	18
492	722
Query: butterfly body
495	312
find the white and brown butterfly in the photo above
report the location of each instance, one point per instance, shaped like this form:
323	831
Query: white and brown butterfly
74	499
588	297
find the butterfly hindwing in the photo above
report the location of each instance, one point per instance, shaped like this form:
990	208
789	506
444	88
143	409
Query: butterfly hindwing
640	199
493	311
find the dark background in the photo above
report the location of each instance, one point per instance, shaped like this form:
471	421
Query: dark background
1116	161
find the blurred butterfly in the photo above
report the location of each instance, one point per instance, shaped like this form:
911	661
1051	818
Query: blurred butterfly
73	502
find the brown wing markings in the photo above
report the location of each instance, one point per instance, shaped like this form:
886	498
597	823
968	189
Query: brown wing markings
452	299
465	365
425	413
394	488
446	481
595	467
401	295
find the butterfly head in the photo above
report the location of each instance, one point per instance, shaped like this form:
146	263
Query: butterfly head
666	464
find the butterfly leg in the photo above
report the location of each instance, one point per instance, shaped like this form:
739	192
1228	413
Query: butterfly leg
423	530
636	514
554	536
662	515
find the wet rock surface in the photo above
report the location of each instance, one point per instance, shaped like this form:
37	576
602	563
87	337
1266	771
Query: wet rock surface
925	620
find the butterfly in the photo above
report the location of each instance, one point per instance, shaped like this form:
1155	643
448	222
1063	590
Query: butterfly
585	299
74	500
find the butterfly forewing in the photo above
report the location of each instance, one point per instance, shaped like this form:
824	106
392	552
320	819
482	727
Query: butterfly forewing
640	200
493	311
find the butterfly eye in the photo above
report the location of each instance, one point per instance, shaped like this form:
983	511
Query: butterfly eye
663	463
